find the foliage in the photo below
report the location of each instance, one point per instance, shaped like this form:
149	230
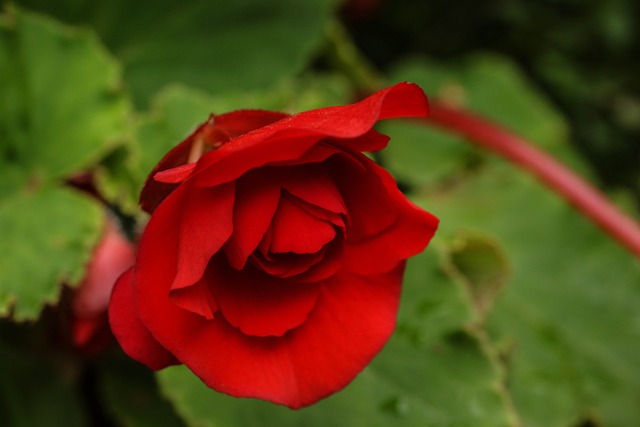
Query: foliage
522	313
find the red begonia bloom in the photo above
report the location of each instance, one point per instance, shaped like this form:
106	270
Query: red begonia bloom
272	265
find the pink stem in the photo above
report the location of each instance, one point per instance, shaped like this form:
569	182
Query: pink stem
576	190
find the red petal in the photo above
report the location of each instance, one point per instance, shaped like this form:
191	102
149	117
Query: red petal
175	175
289	138
293	229
370	141
353	319
330	264
257	198
197	298
204	217
261	305
354	120
253	151
404	100
370	208
316	154
409	234
320	213
154	192
313	184
289	264
385	227
132	335
220	128
239	122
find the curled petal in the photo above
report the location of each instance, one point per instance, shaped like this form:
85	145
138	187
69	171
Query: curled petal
175	175
385	227
259	304
289	264
205	220
251	152
408	236
214	132
296	230
133	336
239	122
257	199
313	184
337	219
197	298
355	120
291	137
370	141
369	205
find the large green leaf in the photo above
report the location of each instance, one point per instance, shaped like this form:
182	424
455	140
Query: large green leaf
47	239
62	113
568	324
220	46
61	108
431	374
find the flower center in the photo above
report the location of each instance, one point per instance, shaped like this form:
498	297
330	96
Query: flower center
299	238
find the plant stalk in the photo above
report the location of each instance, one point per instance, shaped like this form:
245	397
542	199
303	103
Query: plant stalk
580	193
482	132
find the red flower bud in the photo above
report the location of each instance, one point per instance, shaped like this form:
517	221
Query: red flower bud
90	327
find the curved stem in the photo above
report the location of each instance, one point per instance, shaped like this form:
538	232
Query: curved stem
576	190
484	133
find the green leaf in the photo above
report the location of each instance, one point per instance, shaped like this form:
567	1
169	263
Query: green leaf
213	45
568	323
61	109
47	239
62	113
442	377
434	305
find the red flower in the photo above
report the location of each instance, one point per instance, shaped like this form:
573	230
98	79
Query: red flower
272	265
